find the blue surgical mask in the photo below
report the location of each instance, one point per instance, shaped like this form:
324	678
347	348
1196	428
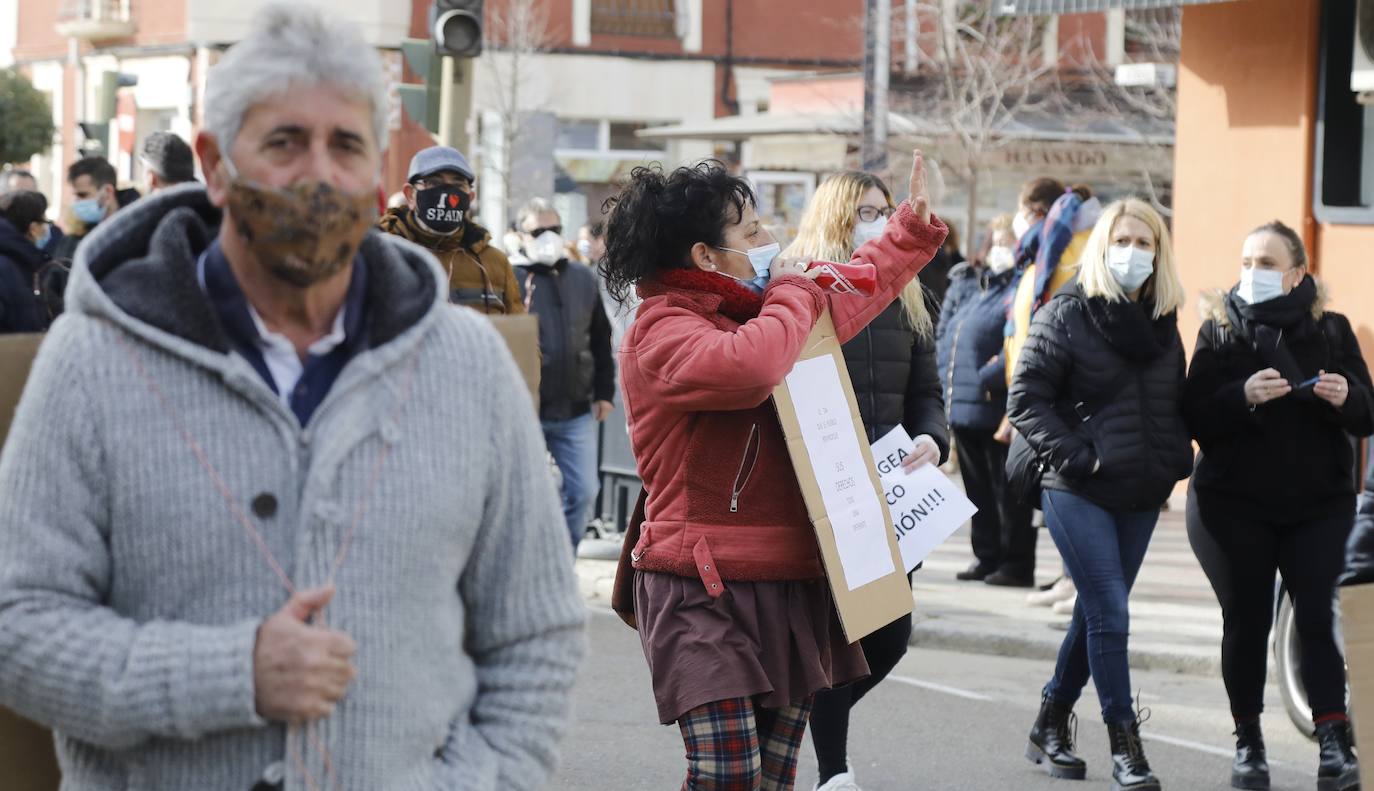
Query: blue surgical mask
43	240
761	259
88	211
1130	266
1259	285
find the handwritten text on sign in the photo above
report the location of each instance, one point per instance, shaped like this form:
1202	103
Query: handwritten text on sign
836	455
926	506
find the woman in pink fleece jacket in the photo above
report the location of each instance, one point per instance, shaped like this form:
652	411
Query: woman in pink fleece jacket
731	603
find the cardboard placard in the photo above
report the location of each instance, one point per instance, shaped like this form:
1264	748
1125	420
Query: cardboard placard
873	604
26	749
521	334
1357	623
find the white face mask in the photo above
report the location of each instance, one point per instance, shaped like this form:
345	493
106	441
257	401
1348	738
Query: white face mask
1130	266
547	248
1000	259
1259	285
868	231
1020	225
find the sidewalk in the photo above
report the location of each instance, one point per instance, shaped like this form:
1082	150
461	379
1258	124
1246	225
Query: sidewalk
1175	620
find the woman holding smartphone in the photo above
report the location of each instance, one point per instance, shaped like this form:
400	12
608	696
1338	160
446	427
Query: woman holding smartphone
1276	388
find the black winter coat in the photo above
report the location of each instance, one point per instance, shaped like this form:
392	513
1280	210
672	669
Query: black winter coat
895	381
1291	457
1079	350
970	341
574	338
20	310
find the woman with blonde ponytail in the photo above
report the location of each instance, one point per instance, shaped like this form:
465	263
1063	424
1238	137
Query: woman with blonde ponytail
892	365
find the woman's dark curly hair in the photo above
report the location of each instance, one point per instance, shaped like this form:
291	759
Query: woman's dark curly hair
657	218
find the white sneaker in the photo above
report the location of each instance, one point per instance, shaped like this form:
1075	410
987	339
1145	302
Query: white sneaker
1063	589
1065	607
844	781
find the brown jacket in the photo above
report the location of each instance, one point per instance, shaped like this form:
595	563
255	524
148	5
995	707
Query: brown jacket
479	274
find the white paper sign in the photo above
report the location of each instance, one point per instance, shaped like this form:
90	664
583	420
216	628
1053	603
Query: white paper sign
926	506
836	455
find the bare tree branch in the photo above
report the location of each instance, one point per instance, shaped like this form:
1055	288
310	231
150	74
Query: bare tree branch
1153	36
983	71
515	31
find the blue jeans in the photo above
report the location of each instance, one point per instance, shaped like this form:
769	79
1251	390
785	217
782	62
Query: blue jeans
573	445
1103	551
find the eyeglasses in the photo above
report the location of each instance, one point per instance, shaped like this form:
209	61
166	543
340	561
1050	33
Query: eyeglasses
538	232
871	213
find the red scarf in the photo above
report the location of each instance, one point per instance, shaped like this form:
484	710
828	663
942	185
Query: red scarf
736	301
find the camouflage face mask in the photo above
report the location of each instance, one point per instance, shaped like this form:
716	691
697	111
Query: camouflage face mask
304	233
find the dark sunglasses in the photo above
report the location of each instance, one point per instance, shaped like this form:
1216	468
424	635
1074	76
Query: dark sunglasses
538	232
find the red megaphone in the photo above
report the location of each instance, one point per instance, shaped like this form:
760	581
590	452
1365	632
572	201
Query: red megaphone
857	279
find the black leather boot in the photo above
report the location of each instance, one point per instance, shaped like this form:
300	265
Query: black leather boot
1130	770
1051	741
1339	770
1250	769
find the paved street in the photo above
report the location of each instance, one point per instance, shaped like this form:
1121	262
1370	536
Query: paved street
1175	619
945	720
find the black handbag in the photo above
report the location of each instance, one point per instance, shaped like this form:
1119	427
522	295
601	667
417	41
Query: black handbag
1026	468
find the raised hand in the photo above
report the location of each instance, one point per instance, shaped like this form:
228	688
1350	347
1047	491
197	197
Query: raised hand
917	189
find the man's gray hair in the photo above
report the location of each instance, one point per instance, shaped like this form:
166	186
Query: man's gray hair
291	46
534	208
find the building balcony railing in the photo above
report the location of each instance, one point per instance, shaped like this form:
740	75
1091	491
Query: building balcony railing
94	20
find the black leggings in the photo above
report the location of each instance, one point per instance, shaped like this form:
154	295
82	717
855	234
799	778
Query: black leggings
830	712
1240	556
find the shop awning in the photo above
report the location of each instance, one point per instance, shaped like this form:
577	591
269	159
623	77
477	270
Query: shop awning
1026	126
1033	7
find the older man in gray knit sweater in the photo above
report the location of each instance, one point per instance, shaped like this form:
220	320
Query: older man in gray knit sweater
275	515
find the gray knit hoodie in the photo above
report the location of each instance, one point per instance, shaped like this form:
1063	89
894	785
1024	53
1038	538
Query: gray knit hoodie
130	595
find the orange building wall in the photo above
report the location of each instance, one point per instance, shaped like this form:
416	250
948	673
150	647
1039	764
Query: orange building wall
1345	252
1246	98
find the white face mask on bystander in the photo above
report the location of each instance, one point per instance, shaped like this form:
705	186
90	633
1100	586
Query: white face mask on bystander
1130	266
1000	259
1259	285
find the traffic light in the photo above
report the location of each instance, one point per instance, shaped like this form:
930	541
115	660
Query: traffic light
421	102
457	28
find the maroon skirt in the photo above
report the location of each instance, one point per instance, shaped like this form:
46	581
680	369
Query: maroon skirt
776	642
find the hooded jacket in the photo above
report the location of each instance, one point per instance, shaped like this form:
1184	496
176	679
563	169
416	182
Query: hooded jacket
698	370
131	595
479	274
20	310
1079	350
1293	456
970	342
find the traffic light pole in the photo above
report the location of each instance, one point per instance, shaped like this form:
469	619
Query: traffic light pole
455	102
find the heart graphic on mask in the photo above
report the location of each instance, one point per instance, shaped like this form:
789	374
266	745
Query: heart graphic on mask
453	201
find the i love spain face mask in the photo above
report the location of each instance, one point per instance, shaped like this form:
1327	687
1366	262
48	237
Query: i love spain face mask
443	209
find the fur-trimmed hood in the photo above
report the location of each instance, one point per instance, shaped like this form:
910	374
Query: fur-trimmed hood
1212	303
